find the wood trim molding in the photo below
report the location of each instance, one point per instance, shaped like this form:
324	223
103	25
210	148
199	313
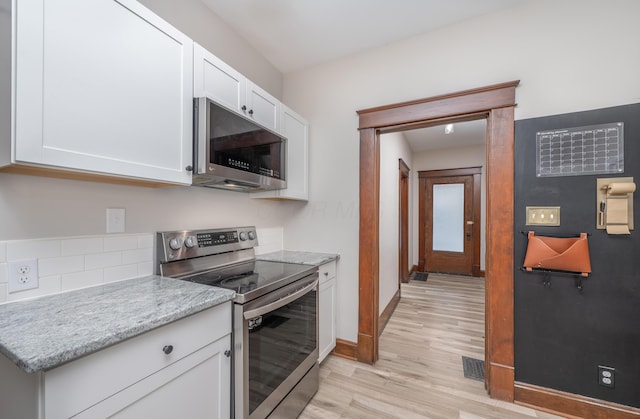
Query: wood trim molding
560	402
463	171
496	103
388	311
346	349
499	252
369	251
453	105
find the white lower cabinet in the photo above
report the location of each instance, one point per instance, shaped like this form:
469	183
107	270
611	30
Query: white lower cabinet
182	369
327	310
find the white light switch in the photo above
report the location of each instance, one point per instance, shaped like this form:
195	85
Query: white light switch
115	220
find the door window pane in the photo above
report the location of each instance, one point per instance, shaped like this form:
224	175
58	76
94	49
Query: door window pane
448	217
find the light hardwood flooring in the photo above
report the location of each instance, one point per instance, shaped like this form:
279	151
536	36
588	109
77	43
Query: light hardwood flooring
419	373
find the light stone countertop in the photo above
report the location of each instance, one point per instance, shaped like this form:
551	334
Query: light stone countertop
304	258
45	332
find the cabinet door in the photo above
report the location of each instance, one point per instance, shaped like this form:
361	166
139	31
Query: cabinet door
262	107
327	310
296	129
196	387
103	86
216	80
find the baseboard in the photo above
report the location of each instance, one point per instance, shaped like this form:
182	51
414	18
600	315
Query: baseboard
574	405
346	349
388	311
477	272
414	268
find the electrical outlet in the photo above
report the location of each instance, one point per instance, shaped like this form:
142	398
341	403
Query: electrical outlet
23	275
606	376
115	220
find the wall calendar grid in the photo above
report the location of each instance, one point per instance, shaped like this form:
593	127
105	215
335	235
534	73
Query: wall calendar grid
588	150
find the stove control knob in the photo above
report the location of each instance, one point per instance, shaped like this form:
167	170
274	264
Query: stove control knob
175	243
243	236
190	242
252	235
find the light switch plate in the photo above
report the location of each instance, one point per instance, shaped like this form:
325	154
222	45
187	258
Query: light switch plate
547	216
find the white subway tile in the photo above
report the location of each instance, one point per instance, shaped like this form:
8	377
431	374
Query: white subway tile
137	256
82	246
145	269
145	241
114	243
3	293
102	260
4	276
34	249
46	285
120	272
82	279
3	252
61	265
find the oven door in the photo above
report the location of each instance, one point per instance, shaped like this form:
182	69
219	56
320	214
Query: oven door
276	344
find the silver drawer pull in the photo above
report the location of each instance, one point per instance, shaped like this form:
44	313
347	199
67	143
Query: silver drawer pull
167	349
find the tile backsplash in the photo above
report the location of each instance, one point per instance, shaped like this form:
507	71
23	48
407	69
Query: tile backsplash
68	263
77	262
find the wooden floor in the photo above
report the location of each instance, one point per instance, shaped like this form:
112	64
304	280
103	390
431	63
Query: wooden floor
419	373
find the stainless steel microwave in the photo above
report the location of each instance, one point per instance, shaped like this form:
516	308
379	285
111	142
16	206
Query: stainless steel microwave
234	152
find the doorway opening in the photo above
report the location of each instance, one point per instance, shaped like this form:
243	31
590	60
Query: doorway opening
495	104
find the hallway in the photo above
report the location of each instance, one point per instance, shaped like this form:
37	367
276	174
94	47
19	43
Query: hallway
419	373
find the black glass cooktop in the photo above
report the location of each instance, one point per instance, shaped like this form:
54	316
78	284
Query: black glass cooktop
252	279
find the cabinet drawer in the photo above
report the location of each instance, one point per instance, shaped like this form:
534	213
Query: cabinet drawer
327	271
75	386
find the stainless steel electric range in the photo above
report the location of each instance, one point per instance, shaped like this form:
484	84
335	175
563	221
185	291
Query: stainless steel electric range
275	330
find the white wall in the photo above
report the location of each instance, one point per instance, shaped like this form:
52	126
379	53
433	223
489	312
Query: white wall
570	55
450	158
202	25
392	147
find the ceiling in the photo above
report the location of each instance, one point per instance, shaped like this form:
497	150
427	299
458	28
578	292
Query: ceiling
297	34
434	138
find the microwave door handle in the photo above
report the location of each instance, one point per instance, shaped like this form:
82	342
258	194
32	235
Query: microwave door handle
279	303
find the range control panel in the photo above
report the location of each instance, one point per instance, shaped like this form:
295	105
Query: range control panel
185	244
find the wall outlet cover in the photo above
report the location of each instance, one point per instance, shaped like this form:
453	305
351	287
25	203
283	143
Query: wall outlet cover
23	275
115	220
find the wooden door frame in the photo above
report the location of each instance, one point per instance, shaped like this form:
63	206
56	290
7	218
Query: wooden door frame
476	172
403	220
495	103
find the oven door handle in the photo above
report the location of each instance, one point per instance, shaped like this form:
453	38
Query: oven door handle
249	314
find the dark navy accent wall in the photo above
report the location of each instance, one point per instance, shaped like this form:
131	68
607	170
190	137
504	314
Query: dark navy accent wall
562	334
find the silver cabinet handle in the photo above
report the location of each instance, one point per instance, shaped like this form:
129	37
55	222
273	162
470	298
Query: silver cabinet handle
279	303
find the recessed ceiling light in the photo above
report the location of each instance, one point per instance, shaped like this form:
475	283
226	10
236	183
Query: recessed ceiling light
448	129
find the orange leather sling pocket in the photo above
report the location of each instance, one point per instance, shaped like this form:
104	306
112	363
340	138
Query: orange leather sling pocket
558	253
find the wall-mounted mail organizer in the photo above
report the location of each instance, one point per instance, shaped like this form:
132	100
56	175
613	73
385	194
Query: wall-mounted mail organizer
614	204
558	254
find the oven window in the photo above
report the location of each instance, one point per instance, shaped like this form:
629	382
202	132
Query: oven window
279	344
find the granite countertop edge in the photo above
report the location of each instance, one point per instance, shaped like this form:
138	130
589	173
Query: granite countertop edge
302	257
31	361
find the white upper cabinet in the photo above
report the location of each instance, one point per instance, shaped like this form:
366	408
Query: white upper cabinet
262	107
296	130
218	81
214	79
102	86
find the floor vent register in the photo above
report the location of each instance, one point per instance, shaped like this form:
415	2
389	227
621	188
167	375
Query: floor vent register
473	368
